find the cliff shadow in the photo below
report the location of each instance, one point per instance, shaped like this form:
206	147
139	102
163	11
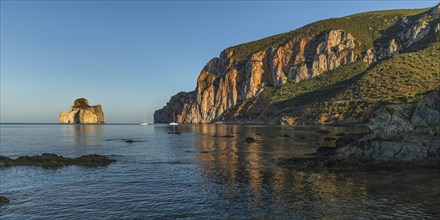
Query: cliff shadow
76	118
322	94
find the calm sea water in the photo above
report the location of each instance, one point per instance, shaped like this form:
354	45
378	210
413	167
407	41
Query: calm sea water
199	174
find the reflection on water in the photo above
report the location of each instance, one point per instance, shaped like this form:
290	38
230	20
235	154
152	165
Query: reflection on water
202	172
83	135
252	178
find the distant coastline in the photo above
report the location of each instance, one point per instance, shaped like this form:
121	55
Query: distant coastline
54	123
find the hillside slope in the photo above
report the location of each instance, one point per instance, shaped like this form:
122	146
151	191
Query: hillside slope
332	71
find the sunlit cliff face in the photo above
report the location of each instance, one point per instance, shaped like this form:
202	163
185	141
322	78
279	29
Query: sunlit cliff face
82	113
230	87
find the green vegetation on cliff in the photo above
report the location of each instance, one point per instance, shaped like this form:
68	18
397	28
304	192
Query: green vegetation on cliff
366	27
348	90
400	79
293	93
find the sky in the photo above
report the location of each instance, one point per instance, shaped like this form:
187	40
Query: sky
132	56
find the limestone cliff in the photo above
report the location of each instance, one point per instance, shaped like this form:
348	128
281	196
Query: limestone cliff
82	113
230	87
174	106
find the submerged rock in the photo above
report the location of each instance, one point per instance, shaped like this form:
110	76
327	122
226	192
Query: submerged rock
323	131
49	160
325	150
346	140
4	200
257	139
329	139
250	140
129	141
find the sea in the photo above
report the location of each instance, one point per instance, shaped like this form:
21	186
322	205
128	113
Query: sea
203	171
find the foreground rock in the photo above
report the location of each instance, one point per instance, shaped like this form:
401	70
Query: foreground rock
82	113
49	160
401	136
3	200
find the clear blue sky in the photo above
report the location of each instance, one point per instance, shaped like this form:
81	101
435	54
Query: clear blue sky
132	56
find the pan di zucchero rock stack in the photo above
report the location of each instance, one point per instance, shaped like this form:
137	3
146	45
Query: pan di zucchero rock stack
82	113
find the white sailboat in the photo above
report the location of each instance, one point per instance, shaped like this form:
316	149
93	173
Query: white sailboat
144	122
174	121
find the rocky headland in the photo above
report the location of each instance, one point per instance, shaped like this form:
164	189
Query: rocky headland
49	160
335	71
82	113
377	68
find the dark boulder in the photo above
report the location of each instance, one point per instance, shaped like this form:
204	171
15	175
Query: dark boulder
4	200
93	160
325	151
228	136
130	141
49	160
346	140
328	139
323	131
250	140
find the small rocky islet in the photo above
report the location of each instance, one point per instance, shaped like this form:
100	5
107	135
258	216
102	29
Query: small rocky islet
50	160
82	113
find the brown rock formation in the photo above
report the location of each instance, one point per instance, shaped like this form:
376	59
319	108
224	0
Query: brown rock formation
82	113
223	83
230	81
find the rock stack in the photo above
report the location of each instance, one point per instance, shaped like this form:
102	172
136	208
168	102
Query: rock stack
82	113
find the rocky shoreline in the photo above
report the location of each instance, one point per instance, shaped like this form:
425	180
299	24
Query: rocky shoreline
49	160
401	136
